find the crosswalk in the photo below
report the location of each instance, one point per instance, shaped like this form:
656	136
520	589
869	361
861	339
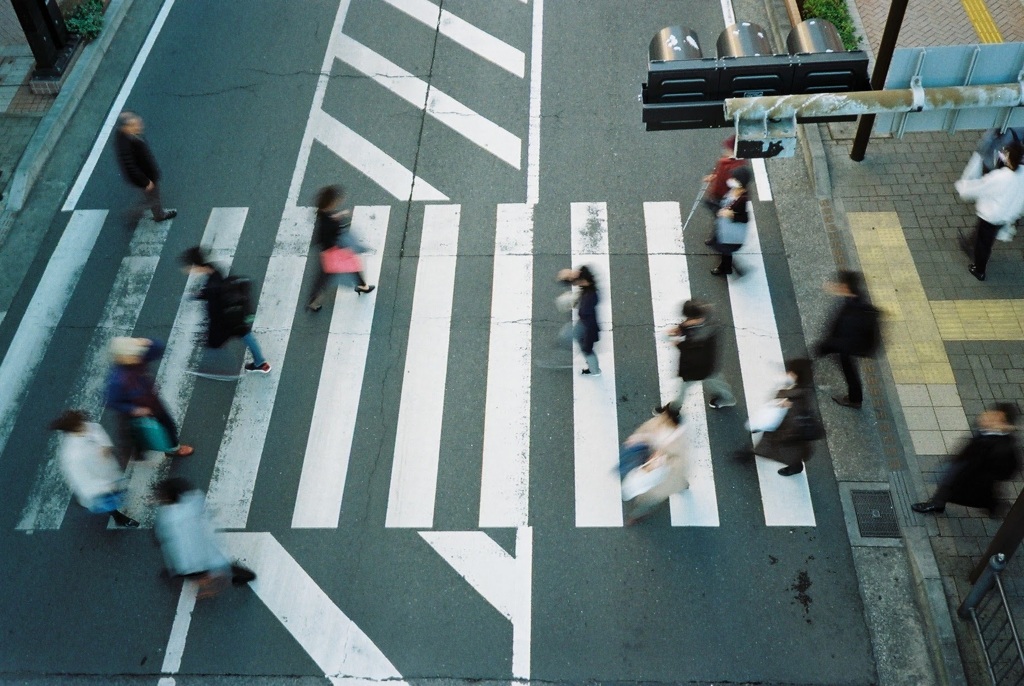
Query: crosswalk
505	450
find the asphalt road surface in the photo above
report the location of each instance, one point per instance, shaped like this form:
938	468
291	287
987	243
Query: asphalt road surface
422	492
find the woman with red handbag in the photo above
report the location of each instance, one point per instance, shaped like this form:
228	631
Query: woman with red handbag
331	226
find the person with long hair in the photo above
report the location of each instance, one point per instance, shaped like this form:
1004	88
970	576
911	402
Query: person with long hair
332	225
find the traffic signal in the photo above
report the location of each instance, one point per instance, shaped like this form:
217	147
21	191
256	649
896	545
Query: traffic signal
686	90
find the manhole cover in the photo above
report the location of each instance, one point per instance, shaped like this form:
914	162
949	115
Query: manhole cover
876	517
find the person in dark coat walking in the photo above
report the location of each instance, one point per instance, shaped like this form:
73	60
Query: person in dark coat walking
587	331
732	219
131	391
697	340
331	229
991	455
222	321
789	441
852	332
717	180
138	165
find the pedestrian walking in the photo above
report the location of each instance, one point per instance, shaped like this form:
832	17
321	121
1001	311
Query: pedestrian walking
853	331
990	456
587	331
696	338
731	220
138	165
333	230
229	310
998	199
716	183
89	466
131	392
187	540
664	466
788	423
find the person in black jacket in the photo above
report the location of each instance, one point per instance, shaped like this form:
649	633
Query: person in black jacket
697	340
587	331
990	455
732	219
138	165
222	324
849	333
332	224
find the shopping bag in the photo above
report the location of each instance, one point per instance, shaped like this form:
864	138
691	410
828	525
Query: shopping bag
340	261
643	478
150	435
767	417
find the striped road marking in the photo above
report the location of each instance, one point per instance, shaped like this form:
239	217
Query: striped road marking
465	34
595	413
505	477
446	109
670	287
175	383
238	460
48	501
786	499
43	314
418	434
328	448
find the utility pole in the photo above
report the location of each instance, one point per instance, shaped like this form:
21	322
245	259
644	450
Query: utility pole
893	23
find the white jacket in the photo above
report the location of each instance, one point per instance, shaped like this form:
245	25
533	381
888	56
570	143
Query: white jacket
89	465
186	537
998	195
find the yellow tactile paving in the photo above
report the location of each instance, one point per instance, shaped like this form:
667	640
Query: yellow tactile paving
913	341
981	18
979	320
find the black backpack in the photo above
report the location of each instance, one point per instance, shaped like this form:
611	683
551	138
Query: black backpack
235	300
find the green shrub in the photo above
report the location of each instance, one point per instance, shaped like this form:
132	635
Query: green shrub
836	12
86	19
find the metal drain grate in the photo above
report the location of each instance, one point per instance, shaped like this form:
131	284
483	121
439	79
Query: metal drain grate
876	517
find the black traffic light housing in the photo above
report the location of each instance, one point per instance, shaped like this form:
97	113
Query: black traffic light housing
686	90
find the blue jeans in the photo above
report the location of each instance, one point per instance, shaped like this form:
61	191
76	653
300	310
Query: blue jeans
254	347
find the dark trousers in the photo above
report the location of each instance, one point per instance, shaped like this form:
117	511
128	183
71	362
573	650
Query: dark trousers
128	450
984	239
727	251
854	389
151	201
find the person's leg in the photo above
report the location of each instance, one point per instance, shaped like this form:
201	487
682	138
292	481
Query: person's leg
586	343
726	265
153	200
985	238
254	347
318	288
720	391
161	414
854	392
680	399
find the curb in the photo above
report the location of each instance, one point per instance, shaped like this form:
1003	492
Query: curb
49	131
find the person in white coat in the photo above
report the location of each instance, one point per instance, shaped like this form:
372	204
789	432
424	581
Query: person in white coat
187	540
999	200
89	466
666	469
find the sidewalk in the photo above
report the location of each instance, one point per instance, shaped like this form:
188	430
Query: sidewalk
954	345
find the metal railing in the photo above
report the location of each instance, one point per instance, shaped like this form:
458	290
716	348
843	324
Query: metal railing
990	614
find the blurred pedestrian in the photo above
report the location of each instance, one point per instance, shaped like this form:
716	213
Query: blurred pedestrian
132	393
187	539
789	424
985	157
138	165
229	310
731	220
587	331
716	183
990	455
89	466
696	337
853	331
332	230
664	470
999	200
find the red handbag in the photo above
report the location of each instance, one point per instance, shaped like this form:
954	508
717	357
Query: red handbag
340	261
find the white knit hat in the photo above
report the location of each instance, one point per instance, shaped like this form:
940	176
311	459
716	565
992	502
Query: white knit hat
127	350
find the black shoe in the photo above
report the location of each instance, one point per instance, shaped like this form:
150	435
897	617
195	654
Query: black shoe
978	274
241	575
717	404
123	520
718	271
314	306
709	242
791	470
364	289
658	409
927	507
590	373
846	402
169	214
